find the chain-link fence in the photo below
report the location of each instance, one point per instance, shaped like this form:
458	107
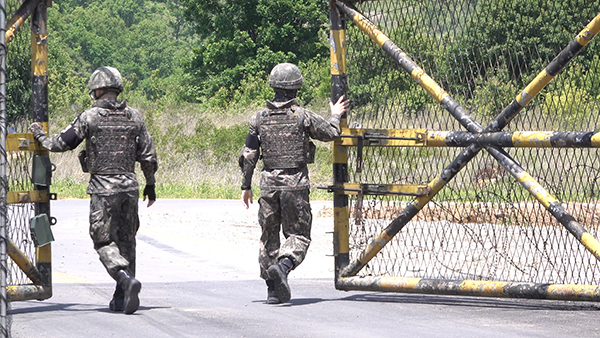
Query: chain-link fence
28	271
471	191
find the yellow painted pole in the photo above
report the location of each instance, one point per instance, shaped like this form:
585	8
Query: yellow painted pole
338	52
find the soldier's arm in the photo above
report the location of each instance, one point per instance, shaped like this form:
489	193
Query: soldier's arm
323	130
249	154
68	139
146	155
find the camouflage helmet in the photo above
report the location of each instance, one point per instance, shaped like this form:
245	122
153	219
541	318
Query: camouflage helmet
285	76
106	77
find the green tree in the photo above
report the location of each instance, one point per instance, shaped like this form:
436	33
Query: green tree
524	34
239	38
146	40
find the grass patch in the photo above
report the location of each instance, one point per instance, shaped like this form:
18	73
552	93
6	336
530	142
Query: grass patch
199	190
67	188
197	153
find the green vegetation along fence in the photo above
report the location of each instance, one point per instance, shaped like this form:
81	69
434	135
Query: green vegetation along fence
468	163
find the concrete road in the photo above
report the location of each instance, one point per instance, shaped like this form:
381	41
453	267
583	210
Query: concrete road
197	261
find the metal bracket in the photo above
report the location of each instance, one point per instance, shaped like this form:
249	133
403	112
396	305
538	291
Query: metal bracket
24	143
32	196
379	189
384	137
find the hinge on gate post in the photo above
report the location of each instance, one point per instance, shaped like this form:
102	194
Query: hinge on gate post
358	211
336	243
375	137
359	153
362	189
375	189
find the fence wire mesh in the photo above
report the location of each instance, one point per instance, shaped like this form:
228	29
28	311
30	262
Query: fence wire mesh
19	162
483	225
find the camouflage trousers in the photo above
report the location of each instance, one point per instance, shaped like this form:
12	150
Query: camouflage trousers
113	225
290	212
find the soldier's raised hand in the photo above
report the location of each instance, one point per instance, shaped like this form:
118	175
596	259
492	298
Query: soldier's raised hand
340	107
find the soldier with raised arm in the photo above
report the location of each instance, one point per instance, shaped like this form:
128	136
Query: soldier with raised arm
280	134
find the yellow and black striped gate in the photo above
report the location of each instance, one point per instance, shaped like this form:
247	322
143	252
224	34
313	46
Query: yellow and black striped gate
26	168
468	163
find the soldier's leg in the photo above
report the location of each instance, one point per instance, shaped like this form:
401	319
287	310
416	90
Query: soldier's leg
296	220
123	233
126	228
296	223
105	216
269	218
102	210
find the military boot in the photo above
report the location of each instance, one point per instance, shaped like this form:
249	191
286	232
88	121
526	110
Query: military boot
117	303
271	295
278	273
131	288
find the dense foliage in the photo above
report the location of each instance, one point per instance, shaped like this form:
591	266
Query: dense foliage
212	58
145	40
220	51
527	34
480	46
240	40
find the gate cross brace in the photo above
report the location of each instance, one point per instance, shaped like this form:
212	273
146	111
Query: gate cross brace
459	113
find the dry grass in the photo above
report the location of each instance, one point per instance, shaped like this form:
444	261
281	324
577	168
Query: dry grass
515	214
191	174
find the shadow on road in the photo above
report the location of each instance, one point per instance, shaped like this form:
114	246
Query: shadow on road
529	304
72	307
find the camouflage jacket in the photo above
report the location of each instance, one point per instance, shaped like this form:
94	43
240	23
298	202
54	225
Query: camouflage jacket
285	179
79	130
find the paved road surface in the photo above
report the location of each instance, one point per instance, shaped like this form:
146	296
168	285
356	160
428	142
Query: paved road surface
197	260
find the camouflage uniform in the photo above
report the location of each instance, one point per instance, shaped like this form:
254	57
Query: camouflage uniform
114	196
284	201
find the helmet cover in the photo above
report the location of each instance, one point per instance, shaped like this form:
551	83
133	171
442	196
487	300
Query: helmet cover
106	77
285	76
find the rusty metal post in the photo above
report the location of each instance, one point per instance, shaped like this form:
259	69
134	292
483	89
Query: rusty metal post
4	323
16	22
341	235
476	288
39	65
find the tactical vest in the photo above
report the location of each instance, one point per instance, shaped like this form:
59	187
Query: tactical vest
283	140
111	144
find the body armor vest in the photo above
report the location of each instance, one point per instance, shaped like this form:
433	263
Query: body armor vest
284	142
111	145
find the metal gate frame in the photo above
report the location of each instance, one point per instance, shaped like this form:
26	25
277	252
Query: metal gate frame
39	273
491	138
